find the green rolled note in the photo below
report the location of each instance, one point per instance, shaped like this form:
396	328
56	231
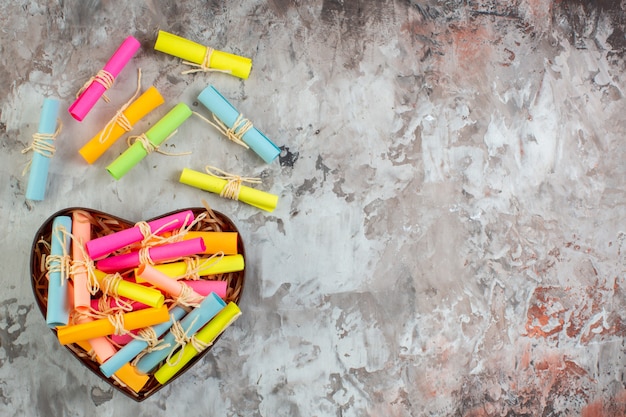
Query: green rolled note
155	135
207	335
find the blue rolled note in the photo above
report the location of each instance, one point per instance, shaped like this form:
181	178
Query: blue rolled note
227	114
194	321
40	164
58	308
135	346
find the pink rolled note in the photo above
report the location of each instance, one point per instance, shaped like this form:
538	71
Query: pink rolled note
88	98
158	254
100	345
206	287
162	281
104	245
81	229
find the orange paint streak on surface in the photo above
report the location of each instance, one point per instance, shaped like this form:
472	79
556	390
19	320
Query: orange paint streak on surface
587	313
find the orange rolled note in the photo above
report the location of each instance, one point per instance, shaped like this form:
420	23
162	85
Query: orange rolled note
121	124
104	327
216	242
127	374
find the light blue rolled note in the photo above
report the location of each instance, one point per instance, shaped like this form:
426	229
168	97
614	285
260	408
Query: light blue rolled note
58	308
227	114
194	321
38	177
135	346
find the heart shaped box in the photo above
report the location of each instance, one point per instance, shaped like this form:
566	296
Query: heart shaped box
105	224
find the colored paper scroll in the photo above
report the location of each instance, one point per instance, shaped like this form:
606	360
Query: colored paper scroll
138	109
104	79
204	58
149	141
211	183
43	149
227	114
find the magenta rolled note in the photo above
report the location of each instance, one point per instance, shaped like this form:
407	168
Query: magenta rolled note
157	254
124	339
206	287
99	84
99	247
115	304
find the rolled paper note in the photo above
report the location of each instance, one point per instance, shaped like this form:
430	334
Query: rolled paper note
206	287
165	283
215	242
206	266
138	109
157	254
150	141
206	335
124	339
58	309
213	184
104	327
190	324
195	53
134	347
136	292
127	373
104	245
101	346
81	230
227	114
43	148
113	303
103	80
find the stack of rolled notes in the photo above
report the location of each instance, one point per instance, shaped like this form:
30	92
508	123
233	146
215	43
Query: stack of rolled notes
144	299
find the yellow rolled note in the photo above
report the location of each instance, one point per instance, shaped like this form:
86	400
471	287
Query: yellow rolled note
127	374
193	52
178	270
206	335
103	327
145	295
145	103
254	197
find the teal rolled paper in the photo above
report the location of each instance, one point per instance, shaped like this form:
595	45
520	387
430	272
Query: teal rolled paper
58	308
40	164
135	346
155	135
227	114
194	321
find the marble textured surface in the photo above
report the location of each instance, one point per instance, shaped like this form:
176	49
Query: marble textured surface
450	234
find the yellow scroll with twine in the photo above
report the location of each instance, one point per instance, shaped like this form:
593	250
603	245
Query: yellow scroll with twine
202	58
229	186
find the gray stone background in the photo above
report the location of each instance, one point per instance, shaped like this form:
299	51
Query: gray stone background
449	239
